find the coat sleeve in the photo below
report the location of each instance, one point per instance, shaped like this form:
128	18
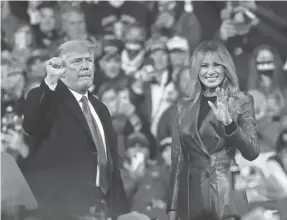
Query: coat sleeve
244	137
39	111
176	166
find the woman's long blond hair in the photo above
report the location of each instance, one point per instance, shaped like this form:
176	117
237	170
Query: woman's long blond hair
230	83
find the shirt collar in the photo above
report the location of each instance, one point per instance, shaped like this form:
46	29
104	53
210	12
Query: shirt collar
78	96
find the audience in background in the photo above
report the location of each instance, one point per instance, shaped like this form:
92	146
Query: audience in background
142	54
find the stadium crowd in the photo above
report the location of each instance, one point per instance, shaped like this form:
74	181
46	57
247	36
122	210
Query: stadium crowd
142	54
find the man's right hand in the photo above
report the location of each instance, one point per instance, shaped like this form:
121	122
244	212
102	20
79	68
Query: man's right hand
172	215
55	70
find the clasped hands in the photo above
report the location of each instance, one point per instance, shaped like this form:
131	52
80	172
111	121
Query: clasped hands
221	110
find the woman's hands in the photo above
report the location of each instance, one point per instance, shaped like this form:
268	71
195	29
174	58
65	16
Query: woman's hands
221	111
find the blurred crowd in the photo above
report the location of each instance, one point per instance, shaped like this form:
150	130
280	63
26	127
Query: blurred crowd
142	53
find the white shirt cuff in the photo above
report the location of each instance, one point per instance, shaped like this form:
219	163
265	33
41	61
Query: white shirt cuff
51	87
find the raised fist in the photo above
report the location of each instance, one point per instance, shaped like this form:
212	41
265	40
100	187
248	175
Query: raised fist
55	70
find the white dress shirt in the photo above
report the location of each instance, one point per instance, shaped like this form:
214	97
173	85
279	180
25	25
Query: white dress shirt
94	115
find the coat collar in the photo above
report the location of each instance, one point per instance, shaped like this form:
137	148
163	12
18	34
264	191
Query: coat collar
189	121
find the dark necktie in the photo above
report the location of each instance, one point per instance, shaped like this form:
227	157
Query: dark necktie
98	140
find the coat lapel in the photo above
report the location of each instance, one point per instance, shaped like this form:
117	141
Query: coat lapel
194	128
76	110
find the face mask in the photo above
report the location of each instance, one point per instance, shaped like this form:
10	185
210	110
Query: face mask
133	46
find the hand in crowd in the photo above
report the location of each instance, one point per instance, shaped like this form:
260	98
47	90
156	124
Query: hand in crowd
227	30
15	141
221	110
55	70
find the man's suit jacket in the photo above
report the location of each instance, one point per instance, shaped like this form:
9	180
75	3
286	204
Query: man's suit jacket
61	168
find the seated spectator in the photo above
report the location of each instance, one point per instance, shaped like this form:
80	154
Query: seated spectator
132	57
45	32
267	84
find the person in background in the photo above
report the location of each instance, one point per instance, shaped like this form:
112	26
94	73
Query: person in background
179	53
154	87
109	65
267	83
13	82
277	164
210	125
36	64
149	191
165	125
133	54
24	44
74	28
45	31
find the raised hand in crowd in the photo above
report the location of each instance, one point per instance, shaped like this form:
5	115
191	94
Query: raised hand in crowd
227	30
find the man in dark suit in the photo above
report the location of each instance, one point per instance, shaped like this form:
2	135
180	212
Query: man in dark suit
73	167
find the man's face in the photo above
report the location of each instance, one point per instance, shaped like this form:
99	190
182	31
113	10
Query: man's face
80	71
48	20
75	26
160	58
110	99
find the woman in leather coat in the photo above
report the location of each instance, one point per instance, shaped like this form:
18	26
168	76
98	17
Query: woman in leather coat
215	121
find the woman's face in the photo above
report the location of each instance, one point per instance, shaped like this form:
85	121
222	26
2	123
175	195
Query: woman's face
48	21
112	68
211	73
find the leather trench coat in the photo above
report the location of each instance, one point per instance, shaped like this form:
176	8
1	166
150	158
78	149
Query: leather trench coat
201	159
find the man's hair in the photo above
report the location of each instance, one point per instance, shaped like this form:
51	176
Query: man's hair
75	46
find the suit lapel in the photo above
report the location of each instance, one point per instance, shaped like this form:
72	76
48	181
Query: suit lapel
74	107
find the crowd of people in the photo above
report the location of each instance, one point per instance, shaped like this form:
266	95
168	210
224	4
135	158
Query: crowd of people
142	56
